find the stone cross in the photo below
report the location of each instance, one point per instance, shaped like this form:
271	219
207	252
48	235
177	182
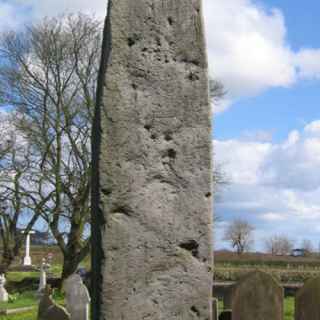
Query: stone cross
307	305
257	296
152	176
43	275
3	292
27	259
77	298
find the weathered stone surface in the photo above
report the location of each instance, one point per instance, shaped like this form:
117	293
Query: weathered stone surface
307	306
257	297
152	197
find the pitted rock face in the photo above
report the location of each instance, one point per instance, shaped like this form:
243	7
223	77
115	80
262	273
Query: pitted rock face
152	202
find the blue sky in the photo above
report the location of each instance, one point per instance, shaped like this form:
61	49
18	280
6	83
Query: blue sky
268	136
267	129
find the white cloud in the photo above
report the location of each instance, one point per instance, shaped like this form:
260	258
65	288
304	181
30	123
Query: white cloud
274	185
247	46
249	50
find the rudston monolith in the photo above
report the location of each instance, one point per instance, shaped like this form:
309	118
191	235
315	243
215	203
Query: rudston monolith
152	197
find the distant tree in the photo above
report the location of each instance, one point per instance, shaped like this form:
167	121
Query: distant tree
216	90
220	177
307	246
240	235
279	245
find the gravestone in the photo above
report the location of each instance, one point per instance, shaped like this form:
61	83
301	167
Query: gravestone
152	177
43	275
3	292
227	298
48	310
307	306
257	296
215	309
77	298
226	315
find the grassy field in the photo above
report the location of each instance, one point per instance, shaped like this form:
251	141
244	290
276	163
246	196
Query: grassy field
230	266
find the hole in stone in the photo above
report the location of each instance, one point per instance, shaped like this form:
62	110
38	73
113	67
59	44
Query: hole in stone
192	246
144	49
208	195
168	136
153	136
122	210
193	76
131	42
106	191
195	310
148	127
170	21
172	153
134	86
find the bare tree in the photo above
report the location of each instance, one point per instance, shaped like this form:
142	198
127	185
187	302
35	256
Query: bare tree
279	245
216	90
220	178
307	246
49	74
15	196
240	235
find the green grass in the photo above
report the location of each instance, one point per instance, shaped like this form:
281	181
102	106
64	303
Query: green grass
31	315
17	300
289	308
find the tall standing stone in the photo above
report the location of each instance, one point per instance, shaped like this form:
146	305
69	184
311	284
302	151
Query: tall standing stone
307	305
257	296
152	197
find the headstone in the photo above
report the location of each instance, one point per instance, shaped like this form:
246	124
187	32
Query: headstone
77	297
152	190
307	306
257	296
226	315
3	292
43	275
227	298
27	259
48	310
215	309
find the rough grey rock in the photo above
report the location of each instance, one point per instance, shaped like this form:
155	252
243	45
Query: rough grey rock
152	188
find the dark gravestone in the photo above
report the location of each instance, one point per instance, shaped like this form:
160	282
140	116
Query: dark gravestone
227	298
49	310
152	173
226	315
307	304
257	296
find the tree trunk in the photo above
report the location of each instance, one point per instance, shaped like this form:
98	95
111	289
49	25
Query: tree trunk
70	265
